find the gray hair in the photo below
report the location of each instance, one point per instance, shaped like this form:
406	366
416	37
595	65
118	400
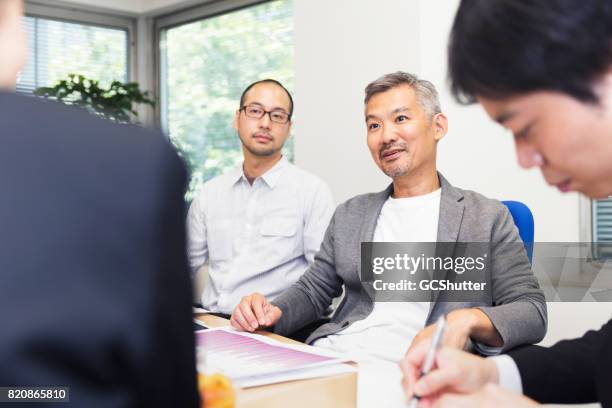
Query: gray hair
426	93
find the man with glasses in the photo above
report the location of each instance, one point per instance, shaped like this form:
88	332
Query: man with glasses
259	226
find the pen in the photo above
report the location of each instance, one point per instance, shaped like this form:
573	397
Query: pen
431	354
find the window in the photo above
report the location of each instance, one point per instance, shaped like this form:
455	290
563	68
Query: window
205	65
58	48
602	228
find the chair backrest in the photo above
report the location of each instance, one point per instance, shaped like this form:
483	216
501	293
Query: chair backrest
523	219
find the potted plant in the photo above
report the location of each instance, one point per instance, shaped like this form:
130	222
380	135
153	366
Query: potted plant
115	103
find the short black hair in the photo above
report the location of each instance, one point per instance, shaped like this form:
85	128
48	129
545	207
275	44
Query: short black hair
271	81
501	48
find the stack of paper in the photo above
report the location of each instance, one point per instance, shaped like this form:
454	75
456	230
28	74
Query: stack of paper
250	359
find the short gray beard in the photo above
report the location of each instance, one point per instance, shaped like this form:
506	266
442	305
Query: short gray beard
398	171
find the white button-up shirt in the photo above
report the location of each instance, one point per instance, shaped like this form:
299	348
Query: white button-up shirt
259	237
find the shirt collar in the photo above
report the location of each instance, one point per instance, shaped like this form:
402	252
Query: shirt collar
270	177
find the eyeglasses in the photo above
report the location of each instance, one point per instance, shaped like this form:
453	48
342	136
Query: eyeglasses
257	112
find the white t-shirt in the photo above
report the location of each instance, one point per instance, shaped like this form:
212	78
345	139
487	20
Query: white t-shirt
387	332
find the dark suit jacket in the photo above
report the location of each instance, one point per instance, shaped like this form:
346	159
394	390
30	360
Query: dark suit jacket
570	372
94	283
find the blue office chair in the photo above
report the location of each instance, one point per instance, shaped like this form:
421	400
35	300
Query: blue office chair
523	218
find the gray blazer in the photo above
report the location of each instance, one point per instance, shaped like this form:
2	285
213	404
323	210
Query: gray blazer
518	310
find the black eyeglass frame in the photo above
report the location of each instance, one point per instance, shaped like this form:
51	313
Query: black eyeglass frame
269	113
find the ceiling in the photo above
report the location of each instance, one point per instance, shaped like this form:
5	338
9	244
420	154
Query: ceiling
133	7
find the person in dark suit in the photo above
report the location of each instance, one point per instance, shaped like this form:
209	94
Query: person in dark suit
543	70
94	284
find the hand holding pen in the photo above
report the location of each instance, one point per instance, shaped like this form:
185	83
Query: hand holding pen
430	370
436	343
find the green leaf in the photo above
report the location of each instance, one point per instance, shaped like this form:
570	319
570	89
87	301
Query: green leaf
115	103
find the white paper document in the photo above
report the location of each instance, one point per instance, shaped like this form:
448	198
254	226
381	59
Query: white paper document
251	359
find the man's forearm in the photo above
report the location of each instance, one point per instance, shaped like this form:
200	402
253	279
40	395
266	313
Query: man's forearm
297	310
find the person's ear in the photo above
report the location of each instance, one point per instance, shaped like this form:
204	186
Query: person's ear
440	124
236	119
603	90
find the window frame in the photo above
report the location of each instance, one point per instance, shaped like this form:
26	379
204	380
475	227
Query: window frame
78	15
594	227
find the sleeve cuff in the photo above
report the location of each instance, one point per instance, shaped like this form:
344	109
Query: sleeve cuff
485	350
509	375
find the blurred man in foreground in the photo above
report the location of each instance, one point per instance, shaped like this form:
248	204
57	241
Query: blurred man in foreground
95	292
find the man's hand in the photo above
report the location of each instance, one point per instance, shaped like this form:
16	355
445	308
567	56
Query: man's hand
454	371
462	324
490	395
254	311
459	325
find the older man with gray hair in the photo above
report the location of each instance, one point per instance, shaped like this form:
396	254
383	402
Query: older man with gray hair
404	125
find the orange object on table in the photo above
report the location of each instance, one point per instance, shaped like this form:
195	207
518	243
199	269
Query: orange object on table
216	391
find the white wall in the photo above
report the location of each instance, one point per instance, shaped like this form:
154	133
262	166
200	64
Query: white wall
339	47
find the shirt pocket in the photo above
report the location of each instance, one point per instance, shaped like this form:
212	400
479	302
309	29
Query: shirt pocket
278	227
220	240
279	240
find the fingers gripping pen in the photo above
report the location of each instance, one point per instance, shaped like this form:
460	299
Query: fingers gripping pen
436	343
